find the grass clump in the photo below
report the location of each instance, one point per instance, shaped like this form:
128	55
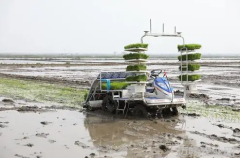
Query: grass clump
191	67
115	85
136	45
137	78
136	67
189	47
190	77
190	57
135	56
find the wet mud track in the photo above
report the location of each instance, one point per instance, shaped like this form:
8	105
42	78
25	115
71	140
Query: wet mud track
71	132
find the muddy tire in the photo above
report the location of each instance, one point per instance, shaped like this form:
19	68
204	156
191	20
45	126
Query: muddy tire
174	111
89	108
140	111
166	112
109	104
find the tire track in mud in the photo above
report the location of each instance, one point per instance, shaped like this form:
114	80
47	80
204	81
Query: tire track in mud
217	138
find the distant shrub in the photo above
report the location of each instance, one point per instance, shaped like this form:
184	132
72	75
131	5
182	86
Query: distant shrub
115	85
137	78
190	57
67	63
191	67
190	77
189	47
136	67
136	45
135	56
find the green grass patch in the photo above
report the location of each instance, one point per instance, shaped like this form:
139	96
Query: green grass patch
115	85
190	77
136	45
189	47
216	112
190	57
135	56
137	78
191	67
136	67
41	92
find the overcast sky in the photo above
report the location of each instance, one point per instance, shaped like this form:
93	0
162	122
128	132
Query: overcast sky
106	26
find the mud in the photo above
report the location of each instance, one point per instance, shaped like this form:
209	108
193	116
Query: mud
30	129
6	100
2	126
80	134
25	109
29	145
199	96
45	123
43	135
220	78
236	132
218	138
84	84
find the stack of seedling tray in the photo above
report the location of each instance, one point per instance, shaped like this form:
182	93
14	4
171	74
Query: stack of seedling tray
136	59
189	65
116	85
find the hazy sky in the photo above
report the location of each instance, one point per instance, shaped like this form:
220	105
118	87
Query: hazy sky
106	26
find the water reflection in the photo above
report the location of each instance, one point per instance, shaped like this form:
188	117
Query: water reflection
140	138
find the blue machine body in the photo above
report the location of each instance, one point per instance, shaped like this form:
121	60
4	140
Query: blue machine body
163	83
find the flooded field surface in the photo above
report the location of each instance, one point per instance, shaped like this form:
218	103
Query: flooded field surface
41	116
63	133
224	76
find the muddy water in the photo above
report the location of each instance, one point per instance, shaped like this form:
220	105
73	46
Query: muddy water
27	62
72	134
75	134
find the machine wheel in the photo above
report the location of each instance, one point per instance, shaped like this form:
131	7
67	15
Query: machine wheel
140	111
166	112
109	104
174	111
89	108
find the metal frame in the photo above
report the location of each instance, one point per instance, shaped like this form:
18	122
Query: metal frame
176	34
164	104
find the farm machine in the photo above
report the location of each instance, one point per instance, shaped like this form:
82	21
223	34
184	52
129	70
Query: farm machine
136	90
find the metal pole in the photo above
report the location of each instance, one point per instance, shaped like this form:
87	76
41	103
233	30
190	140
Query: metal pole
181	69
100	80
142	38
163	28
150	25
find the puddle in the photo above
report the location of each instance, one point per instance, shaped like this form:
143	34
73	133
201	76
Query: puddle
76	134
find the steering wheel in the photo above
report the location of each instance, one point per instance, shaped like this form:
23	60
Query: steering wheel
155	73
